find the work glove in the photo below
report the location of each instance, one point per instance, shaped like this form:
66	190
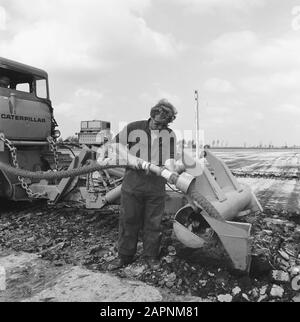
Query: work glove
203	155
175	166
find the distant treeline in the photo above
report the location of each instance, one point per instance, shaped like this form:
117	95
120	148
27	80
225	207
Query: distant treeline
254	148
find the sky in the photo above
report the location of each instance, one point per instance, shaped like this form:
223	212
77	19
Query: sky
113	60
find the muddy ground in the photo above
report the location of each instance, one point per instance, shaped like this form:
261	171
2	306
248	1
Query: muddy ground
68	235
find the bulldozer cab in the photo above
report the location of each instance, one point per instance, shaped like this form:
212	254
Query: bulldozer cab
25	106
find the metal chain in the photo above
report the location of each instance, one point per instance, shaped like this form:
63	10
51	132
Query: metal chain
90	185
53	148
13	152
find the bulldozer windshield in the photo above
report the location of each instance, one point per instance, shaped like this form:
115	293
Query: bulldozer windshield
23	82
24	102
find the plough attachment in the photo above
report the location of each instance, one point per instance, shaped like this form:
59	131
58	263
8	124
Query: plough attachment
217	197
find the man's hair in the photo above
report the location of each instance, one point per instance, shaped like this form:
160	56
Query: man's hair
4	80
165	110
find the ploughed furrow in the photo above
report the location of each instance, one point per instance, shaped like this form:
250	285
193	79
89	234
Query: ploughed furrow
279	164
275	195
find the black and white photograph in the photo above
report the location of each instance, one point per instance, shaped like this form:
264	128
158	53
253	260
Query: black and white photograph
149	154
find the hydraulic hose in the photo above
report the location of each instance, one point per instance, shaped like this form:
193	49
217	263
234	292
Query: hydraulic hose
68	148
54	175
95	166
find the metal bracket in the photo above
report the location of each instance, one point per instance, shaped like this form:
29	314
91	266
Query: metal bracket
65	184
94	200
235	238
224	176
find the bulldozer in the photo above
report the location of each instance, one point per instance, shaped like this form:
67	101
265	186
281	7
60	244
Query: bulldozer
27	125
205	190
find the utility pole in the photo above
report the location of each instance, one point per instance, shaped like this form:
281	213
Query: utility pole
197	126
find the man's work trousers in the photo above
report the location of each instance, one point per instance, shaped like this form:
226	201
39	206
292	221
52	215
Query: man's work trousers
140	211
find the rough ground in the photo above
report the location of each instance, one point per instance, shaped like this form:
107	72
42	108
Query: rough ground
68	239
31	279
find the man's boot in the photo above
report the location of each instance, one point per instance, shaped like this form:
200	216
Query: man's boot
120	262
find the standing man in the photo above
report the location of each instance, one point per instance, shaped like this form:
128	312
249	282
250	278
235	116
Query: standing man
143	194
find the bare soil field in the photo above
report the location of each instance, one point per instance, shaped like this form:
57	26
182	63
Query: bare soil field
262	163
273	175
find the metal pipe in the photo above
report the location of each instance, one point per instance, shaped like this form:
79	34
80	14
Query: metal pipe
182	182
113	195
27	143
117	172
197	126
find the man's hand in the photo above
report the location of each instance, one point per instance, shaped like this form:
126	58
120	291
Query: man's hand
203	154
170	164
175	166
